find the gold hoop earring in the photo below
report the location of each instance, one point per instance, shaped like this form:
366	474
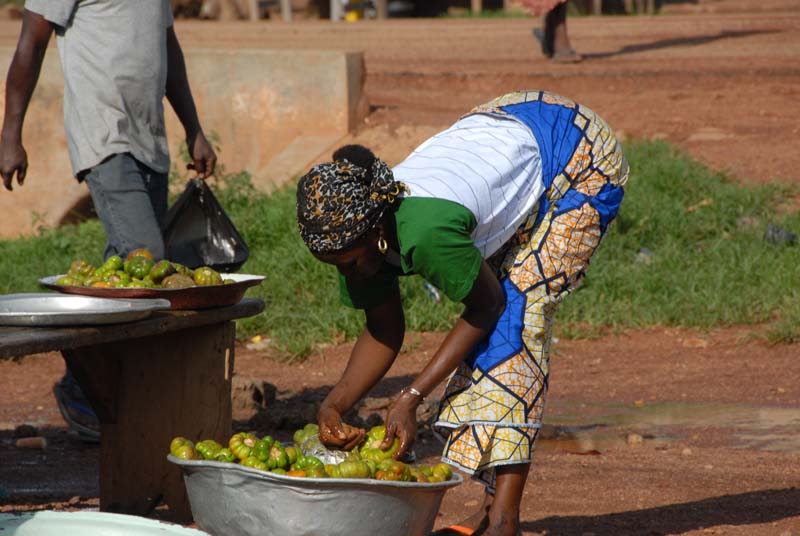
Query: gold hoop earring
383	247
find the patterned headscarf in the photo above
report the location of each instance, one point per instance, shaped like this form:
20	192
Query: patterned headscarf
337	202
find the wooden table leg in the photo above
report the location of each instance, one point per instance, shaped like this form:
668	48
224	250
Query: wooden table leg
147	391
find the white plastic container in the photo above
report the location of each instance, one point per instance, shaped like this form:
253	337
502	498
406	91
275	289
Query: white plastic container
50	523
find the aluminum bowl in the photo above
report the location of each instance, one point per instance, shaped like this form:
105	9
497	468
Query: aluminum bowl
232	499
39	309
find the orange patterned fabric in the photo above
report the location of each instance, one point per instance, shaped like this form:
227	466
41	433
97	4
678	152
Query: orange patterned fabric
493	406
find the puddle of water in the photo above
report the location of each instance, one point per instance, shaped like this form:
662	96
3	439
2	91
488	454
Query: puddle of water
582	428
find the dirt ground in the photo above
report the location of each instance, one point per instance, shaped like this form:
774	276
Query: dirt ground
648	432
656	431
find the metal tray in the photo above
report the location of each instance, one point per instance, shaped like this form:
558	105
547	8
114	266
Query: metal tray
179	298
230	499
62	310
51	523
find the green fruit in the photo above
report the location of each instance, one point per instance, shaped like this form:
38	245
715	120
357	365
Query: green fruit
112	264
139	253
205	277
177	281
69	281
160	270
138	267
181	269
80	269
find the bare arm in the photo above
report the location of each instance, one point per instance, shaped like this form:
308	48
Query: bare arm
179	95
483	307
372	356
23	73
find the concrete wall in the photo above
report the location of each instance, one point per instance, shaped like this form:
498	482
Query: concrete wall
274	110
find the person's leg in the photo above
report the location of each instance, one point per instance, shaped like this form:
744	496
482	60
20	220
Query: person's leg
556	40
130	200
75	408
503	513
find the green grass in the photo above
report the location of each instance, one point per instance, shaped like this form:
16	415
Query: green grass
709	265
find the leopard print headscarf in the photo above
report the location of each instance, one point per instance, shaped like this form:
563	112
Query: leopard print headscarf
337	202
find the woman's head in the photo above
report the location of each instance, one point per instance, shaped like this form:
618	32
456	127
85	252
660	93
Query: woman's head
340	205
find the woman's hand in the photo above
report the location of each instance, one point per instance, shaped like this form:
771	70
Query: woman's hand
333	433
401	422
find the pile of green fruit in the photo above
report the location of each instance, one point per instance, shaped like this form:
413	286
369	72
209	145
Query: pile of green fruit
139	270
365	461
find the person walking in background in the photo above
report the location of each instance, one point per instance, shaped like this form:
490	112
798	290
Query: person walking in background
501	212
553	37
120	59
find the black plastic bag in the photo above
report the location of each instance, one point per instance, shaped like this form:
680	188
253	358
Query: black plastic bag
199	233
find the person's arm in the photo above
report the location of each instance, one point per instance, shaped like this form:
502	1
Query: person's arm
483	306
23	73
180	98
372	356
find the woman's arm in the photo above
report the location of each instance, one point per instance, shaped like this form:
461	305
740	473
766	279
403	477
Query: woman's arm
484	305
372	356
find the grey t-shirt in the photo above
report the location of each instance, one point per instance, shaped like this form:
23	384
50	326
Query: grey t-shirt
114	57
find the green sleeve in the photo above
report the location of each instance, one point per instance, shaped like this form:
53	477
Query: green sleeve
367	293
436	243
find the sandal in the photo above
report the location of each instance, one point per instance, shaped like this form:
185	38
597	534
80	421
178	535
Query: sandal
77	413
566	56
454	530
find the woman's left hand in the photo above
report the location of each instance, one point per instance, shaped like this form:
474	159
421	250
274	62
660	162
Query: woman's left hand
401	422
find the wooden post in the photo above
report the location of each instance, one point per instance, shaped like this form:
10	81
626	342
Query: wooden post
255	11
147	391
336	10
646	6
597	7
477	6
382	8
628	6
286	10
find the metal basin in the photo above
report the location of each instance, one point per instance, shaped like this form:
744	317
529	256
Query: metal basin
232	499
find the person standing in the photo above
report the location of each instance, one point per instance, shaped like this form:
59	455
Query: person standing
553	37
120	58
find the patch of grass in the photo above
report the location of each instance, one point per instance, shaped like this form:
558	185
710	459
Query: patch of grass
709	264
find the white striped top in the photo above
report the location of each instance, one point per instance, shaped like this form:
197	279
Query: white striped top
489	164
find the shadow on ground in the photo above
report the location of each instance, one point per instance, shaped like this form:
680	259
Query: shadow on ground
756	507
677	42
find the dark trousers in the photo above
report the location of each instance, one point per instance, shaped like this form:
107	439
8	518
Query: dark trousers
131	202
